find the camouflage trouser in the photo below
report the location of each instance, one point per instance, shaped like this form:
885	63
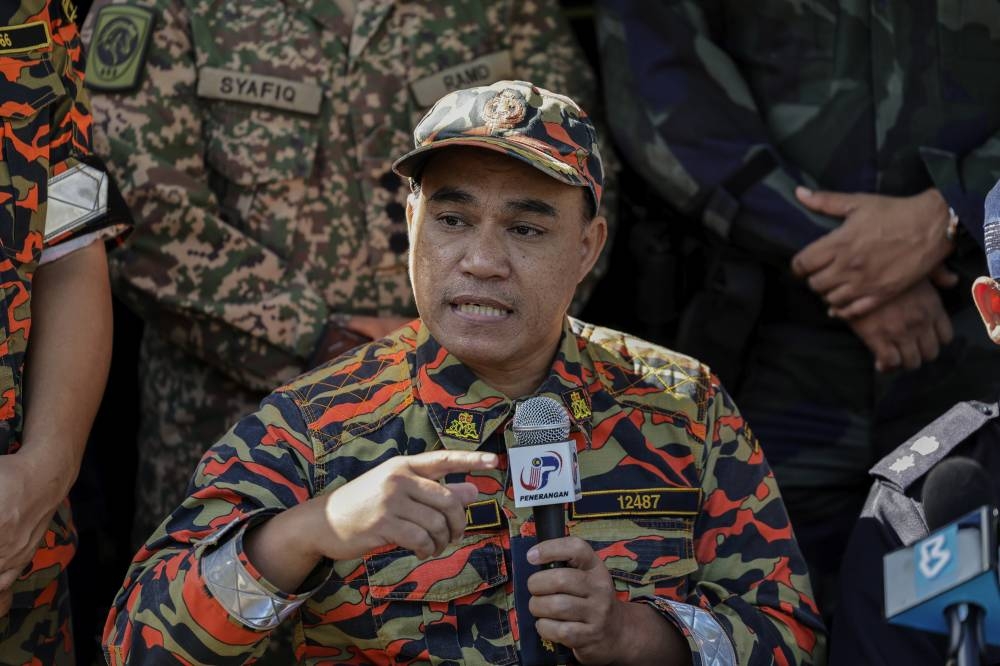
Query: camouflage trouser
824	416
186	407
38	629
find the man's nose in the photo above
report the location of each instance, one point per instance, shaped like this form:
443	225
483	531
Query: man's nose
486	255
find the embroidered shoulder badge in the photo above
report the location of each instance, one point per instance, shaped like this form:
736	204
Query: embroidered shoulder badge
118	51
576	402
504	111
463	425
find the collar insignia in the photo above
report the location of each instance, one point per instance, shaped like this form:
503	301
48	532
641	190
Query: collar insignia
464	425
577	404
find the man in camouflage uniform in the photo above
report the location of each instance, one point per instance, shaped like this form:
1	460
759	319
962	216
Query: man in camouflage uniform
55	289
325	508
253	143
836	155
893	516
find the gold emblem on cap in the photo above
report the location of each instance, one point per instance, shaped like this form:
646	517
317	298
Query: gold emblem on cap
504	111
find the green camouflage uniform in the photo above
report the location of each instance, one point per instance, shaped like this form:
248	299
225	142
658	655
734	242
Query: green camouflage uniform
253	144
678	502
730	105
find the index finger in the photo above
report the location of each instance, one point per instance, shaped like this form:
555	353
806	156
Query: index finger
574	551
437	464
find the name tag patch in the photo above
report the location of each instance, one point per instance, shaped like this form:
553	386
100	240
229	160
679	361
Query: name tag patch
637	502
482	515
259	89
117	55
25	37
482	71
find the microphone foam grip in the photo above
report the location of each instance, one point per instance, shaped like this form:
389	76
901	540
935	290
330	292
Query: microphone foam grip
953	488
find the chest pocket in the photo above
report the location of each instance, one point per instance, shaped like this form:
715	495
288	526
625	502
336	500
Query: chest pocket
447	607
261	160
645	556
25	108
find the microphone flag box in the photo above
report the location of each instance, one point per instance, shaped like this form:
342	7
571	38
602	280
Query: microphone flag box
544	474
956	563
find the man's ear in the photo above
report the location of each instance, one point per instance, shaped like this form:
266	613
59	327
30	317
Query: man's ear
986	294
595	235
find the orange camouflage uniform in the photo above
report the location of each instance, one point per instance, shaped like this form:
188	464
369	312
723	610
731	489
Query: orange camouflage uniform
44	130
678	502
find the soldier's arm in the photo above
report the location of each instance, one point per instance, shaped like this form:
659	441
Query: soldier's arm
964	180
210	287
685	119
176	600
751	576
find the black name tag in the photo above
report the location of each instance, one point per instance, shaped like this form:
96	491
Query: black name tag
26	37
482	515
637	502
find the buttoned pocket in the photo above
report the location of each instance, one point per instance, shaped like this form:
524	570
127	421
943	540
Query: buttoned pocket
642	554
28	87
443	608
262	162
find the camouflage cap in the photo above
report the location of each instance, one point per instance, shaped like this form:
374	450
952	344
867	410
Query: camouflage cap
991	231
546	130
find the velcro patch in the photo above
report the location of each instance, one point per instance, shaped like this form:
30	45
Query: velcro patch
637	502
482	71
260	89
24	37
482	515
118	52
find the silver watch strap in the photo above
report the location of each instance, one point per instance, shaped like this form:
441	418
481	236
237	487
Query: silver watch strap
713	642
242	595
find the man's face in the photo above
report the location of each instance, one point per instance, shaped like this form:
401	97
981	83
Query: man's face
497	249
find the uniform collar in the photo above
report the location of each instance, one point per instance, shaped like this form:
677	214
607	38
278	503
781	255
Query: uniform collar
368	18
465	411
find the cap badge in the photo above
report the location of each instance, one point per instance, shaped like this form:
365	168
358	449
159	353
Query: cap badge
504	111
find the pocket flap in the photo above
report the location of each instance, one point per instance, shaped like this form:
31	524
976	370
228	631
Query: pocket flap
27	85
254	145
643	550
474	564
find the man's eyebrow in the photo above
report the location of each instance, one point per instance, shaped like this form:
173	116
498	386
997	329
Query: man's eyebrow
451	195
536	206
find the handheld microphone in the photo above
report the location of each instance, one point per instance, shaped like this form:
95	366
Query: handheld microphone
947	582
543	464
544	475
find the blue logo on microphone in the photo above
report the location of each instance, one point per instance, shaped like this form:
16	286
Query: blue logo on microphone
541	469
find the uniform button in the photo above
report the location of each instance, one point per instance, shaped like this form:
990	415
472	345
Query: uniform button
396	212
399	242
390	180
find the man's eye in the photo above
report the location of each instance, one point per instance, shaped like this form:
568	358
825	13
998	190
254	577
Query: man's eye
526	230
451	221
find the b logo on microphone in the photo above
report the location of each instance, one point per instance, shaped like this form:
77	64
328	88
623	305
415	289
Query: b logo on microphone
541	468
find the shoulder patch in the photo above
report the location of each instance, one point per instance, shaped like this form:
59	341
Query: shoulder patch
917	455
118	51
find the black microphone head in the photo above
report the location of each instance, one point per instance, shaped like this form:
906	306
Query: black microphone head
540	420
953	488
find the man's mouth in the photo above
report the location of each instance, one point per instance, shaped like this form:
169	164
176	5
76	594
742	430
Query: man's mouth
481	308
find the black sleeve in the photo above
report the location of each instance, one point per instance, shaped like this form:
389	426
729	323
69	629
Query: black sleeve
860	634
